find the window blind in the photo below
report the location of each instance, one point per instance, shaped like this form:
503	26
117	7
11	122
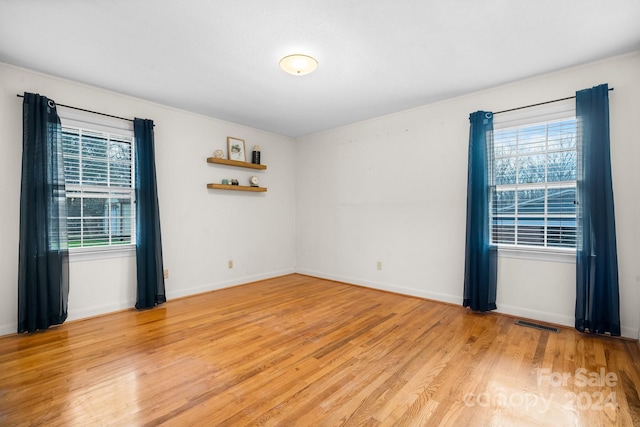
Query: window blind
99	170
535	178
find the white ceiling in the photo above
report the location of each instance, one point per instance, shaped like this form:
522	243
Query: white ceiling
220	57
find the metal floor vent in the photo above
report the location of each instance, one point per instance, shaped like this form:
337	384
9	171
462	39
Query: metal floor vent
537	326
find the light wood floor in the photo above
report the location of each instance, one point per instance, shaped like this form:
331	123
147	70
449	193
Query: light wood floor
298	350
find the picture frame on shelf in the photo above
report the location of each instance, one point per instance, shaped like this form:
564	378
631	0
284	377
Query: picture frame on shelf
235	148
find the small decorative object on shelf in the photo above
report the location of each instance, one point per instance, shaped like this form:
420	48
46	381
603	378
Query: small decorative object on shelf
234	182
235	147
255	155
218	154
225	182
254	181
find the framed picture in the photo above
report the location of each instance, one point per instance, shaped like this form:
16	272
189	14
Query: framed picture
235	148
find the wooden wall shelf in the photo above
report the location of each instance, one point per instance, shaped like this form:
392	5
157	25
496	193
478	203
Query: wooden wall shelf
235	163
236	188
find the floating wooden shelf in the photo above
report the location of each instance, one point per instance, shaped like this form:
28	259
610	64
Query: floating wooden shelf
236	188
235	163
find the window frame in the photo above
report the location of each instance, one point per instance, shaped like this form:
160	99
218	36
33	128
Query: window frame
543	114
94	123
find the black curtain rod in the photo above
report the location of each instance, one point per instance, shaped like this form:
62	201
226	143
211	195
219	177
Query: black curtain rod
540	103
88	111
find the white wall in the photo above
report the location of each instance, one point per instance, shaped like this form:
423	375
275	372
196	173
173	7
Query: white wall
393	189
202	229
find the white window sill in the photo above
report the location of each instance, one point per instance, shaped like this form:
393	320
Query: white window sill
92	254
537	253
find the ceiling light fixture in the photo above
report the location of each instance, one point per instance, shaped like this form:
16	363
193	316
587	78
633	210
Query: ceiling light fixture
298	64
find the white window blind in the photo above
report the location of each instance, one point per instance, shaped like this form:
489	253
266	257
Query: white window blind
533	200
99	171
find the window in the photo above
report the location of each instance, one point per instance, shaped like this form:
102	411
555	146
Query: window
535	185
99	170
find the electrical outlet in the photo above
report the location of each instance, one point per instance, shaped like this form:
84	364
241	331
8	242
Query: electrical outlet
230	263
379	265
165	273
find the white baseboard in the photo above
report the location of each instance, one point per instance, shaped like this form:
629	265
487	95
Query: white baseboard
77	315
542	316
436	296
555	318
227	283
104	309
633	333
99	310
8	329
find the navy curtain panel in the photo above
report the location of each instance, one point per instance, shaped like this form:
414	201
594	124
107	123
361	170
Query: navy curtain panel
480	272
43	260
150	285
597	293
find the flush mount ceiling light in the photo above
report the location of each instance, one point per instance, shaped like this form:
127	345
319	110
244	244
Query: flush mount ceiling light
298	64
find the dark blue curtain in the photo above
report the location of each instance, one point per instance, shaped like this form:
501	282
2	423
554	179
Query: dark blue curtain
150	288
43	263
480	272
597	293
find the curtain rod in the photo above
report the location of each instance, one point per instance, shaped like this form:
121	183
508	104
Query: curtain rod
88	111
540	103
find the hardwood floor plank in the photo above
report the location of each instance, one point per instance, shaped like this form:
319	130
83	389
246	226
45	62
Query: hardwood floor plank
298	350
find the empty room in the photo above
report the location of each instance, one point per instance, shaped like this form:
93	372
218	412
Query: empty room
319	213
